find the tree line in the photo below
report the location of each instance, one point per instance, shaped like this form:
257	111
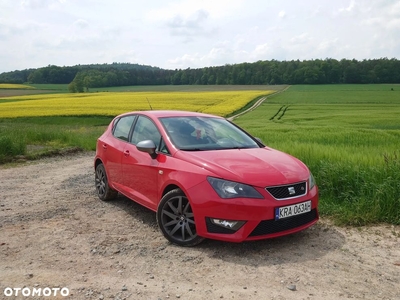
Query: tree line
327	71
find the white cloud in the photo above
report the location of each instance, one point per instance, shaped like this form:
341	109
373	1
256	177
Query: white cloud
35	4
216	56
81	23
41	4
301	39
192	21
186	33
262	50
327	45
189	26
349	8
216	9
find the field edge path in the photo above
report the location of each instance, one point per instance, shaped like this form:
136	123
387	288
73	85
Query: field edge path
257	104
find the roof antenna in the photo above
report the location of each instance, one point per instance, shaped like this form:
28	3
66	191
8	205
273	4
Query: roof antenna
149	103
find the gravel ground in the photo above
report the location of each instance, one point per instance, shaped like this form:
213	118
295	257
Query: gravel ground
55	233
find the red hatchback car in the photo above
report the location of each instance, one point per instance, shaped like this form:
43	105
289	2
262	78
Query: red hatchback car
204	177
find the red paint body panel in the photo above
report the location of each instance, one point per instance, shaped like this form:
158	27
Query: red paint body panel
144	179
208	204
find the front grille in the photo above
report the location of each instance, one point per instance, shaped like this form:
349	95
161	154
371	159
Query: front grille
288	191
272	226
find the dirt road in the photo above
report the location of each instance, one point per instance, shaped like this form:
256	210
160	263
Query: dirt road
55	234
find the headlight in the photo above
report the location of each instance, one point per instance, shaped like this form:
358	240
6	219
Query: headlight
230	189
311	181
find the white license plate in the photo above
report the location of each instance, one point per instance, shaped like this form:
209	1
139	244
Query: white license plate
292	210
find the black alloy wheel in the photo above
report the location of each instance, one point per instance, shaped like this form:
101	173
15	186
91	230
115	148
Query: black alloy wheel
176	220
104	191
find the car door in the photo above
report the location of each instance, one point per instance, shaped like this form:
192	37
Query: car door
139	170
114	147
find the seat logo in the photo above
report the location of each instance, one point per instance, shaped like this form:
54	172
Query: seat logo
291	190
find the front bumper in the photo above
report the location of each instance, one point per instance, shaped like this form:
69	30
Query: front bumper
258	215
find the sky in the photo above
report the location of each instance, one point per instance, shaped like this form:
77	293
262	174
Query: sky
181	34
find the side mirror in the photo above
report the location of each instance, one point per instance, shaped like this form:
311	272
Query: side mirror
147	146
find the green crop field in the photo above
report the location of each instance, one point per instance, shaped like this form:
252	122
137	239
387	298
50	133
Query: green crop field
221	103
33	125
348	135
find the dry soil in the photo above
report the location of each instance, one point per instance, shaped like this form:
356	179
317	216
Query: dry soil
55	233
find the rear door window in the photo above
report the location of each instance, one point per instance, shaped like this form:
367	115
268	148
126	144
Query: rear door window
123	127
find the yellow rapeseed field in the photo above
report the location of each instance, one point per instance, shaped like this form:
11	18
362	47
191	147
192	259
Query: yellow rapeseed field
15	86
216	102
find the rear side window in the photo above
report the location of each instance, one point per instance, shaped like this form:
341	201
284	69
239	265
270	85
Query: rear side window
123	127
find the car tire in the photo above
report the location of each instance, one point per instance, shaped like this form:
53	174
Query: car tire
176	220
104	191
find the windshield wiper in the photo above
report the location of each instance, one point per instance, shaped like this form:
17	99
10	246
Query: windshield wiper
237	147
192	149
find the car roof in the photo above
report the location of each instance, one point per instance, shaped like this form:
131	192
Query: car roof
170	113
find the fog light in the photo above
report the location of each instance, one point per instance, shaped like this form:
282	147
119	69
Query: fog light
234	225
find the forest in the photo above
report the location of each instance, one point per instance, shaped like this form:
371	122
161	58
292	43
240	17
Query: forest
327	71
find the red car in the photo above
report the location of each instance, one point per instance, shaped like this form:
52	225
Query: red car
204	177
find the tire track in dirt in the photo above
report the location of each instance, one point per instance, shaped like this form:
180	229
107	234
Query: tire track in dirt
257	104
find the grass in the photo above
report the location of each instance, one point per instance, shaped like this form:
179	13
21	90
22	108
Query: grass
32	125
187	88
349	136
15	86
113	103
34	137
10	90
58	88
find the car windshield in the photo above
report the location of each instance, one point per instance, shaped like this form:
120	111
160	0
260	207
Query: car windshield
206	133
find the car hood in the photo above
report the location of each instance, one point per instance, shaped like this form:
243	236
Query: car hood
256	166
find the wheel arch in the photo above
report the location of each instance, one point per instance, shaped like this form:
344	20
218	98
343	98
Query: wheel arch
97	162
171	187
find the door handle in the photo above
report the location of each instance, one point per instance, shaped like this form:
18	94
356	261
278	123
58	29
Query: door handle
105	146
126	153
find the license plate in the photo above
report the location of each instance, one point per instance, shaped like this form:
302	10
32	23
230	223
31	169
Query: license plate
292	210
